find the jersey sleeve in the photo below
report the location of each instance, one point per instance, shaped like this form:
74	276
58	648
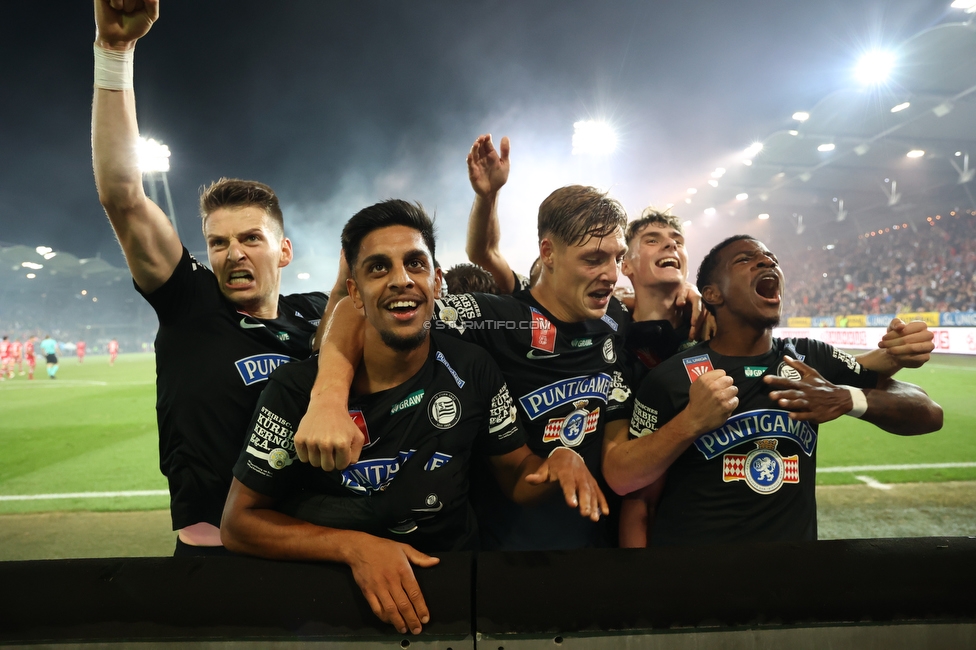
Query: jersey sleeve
838	367
504	432
653	405
620	401
474	317
185	290
269	464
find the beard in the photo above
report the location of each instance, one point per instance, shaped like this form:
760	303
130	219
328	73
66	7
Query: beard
404	343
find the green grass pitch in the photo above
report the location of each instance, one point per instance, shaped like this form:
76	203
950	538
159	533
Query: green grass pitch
93	429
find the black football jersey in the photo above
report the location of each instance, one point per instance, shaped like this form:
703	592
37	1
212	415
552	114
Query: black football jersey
753	478
458	397
212	362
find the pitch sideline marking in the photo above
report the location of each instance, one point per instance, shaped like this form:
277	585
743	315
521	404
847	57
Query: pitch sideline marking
889	468
873	483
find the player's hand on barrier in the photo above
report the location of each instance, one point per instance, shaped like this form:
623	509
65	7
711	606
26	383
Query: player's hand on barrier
382	569
579	487
711	399
327	437
909	344
811	397
416	493
119	23
488	169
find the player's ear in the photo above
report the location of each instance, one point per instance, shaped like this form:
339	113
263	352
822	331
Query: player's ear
354	295
287	253
712	296
546	249
438	281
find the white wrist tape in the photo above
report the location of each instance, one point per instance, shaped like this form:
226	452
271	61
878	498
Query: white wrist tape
567	449
860	402
113	69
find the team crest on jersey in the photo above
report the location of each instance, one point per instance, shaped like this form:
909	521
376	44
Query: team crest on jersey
697	366
608	354
543	332
571	429
368	476
360	421
444	410
788	372
763	469
259	367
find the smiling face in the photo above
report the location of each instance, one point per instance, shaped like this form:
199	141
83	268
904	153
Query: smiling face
583	276
395	282
247	252
747	285
656	256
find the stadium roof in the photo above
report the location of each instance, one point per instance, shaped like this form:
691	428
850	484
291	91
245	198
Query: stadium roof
16	262
867	180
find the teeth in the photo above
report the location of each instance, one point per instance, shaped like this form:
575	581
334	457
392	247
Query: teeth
668	262
402	303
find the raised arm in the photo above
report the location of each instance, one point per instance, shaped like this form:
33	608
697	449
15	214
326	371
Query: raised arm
151	246
381	567
327	436
904	345
488	172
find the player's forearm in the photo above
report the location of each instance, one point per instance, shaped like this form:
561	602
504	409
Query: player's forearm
484	238
521	491
339	355
902	408
637	462
114	153
879	361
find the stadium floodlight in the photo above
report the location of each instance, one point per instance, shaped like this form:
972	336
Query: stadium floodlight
828	146
747	162
694	190
753	149
742	196
709	211
801	116
48	256
764	216
153	156
969	6
34	266
686	224
719	172
793	132
713	183
304	276
593	138
915	153
43	250
31	276
874	67
900	107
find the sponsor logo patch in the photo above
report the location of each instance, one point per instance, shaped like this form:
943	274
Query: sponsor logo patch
697	366
755	371
368	476
543	332
763	469
751	425
259	367
444	410
566	391
793	353
440	357
409	401
609	321
582	343
571	429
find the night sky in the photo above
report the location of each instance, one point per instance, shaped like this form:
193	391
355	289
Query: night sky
340	104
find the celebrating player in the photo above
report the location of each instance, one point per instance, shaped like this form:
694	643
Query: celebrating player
733	421
231	316
424	402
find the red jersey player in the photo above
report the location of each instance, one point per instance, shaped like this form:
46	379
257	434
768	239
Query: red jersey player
16	357
29	356
113	351
81	351
5	360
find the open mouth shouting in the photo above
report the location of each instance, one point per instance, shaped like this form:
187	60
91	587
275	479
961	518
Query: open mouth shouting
601	297
240	278
403	309
768	287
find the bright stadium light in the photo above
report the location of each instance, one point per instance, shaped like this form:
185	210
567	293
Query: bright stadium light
304	276
763	217
969	6
713	183
753	149
826	147
709	211
741	196
915	153
31	276
719	172
32	266
801	116
693	190
593	138
48	256
900	107
43	250
874	67
153	156
793	132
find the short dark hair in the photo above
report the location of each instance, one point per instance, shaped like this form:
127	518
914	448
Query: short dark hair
237	193
469	278
392	212
573	214
649	216
707	269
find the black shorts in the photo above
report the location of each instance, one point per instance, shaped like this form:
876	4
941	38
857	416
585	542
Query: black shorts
52	358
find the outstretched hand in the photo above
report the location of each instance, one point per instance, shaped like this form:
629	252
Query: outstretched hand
488	169
579	487
811	397
908	344
120	23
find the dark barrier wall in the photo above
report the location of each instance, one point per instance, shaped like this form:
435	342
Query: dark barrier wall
858	593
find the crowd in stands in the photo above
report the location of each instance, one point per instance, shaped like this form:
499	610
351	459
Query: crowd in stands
930	265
